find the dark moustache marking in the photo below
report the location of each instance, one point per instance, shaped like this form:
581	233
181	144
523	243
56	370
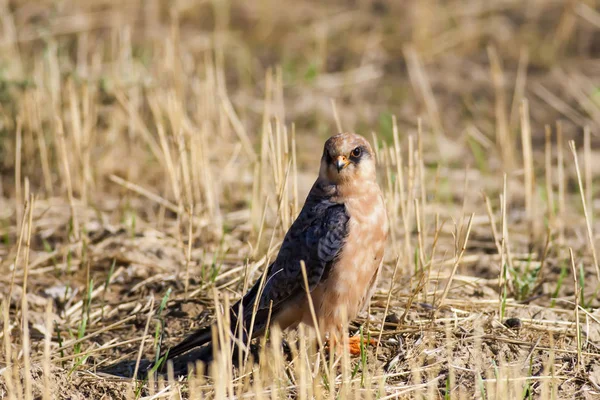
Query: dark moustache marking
327	156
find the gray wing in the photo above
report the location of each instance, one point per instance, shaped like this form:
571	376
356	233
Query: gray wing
316	237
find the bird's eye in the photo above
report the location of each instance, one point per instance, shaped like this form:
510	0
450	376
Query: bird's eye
356	152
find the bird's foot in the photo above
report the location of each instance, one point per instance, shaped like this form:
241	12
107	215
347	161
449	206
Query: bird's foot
355	344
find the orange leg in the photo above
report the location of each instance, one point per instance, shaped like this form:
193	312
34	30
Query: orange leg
353	344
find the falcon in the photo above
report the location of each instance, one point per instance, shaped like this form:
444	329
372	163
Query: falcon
339	236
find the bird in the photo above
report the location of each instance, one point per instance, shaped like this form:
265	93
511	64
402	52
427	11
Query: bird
339	237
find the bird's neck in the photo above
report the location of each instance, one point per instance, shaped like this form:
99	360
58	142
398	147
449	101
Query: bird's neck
347	191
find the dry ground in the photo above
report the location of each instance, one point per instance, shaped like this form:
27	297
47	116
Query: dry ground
153	153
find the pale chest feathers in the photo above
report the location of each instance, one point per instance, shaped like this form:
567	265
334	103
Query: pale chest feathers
367	234
355	272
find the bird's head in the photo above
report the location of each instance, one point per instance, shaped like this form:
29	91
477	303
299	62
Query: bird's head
347	158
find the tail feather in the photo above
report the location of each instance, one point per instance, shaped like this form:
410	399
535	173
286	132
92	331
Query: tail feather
203	336
196	339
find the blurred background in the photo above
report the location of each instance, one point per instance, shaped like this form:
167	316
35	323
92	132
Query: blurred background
461	67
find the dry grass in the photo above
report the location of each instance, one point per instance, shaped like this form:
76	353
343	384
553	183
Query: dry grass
153	153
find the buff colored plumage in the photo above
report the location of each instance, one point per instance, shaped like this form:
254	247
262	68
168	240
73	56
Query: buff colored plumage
340	235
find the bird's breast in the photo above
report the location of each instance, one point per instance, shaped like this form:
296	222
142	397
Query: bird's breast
348	287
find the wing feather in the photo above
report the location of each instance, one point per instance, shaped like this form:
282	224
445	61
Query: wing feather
316	237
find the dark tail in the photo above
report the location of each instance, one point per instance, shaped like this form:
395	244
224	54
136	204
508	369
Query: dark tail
203	336
196	339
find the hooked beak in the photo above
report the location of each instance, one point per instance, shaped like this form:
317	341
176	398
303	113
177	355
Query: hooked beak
341	163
